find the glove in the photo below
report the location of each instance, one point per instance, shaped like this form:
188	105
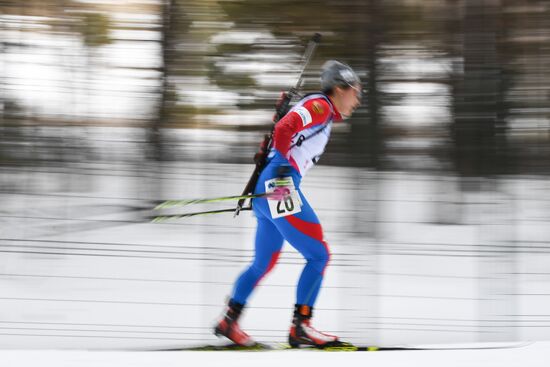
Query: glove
281	190
279	193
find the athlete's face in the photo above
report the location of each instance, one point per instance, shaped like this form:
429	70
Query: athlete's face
348	99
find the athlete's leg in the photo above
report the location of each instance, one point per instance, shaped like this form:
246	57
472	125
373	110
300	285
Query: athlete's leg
267	249
304	232
268	245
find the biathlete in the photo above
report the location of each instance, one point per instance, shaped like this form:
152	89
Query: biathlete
299	140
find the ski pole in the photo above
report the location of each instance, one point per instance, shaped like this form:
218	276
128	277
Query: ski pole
178	203
163	218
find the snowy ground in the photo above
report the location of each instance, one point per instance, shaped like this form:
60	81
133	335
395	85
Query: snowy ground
536	355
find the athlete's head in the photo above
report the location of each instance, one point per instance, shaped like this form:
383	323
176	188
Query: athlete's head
342	85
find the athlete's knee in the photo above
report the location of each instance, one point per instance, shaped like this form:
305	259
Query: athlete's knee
323	256
262	266
319	258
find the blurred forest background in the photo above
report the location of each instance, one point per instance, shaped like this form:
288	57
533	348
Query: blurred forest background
459	86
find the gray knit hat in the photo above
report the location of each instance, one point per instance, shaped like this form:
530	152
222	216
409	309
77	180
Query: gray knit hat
335	73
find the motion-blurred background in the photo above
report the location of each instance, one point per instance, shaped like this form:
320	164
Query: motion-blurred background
434	197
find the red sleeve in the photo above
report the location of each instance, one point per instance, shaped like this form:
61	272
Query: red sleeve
313	112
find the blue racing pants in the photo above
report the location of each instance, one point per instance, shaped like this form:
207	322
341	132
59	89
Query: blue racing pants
302	230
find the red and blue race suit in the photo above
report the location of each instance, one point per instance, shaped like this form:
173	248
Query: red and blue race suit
299	138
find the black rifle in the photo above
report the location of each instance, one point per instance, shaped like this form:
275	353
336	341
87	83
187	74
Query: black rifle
281	109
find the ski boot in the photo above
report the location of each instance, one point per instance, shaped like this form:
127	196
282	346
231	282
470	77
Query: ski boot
302	333
229	327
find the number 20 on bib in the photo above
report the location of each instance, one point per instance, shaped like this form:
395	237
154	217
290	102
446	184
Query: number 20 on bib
288	206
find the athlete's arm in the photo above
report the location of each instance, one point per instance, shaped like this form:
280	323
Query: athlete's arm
312	113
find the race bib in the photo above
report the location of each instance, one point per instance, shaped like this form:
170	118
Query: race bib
292	204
